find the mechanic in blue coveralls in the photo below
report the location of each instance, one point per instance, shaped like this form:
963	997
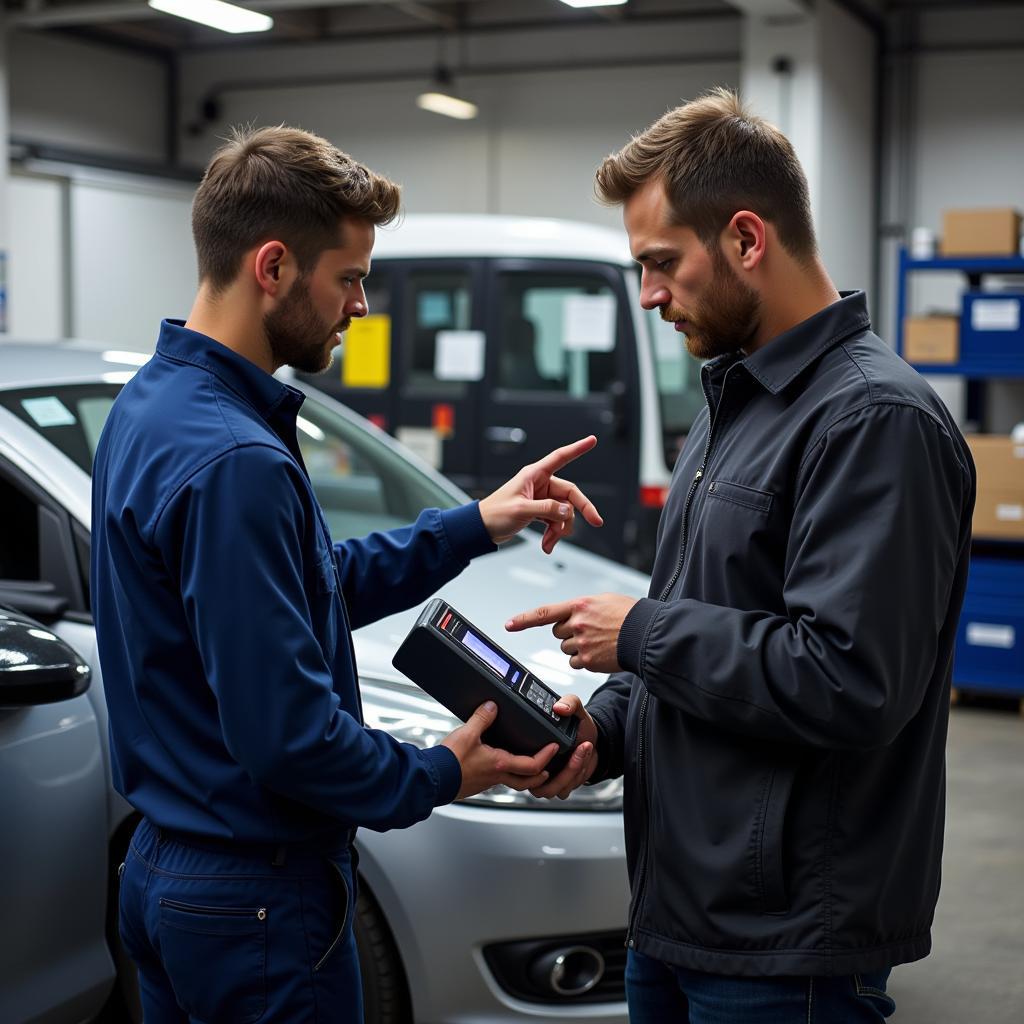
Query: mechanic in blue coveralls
224	610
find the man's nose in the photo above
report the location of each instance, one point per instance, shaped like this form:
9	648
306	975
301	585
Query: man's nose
357	304
653	296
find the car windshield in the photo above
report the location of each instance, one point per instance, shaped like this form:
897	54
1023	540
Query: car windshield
361	482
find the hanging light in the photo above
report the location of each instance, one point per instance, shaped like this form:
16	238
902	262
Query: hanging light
593	3
441	99
215	14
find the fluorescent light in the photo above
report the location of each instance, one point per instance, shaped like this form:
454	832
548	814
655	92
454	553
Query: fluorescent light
216	14
593	3
450	106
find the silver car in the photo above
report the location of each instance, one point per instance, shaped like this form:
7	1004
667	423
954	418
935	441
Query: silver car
501	908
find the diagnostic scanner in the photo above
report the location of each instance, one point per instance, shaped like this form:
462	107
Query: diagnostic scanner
460	666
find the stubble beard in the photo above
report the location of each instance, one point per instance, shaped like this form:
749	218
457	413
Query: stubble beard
725	318
298	336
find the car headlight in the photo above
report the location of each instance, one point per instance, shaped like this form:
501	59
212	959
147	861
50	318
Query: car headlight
413	717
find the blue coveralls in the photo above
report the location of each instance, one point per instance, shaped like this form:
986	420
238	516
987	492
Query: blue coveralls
223	614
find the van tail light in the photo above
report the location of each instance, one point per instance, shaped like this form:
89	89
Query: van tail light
653	497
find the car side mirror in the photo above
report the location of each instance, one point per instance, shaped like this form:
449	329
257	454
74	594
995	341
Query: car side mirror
36	666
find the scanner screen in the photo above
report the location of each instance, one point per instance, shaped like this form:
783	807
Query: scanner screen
491	656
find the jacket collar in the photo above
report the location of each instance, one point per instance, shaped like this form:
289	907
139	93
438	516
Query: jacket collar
269	396
776	364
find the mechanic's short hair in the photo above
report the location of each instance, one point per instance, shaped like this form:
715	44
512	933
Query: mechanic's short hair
281	183
716	158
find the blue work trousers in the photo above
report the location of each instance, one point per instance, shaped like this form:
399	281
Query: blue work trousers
225	935
659	993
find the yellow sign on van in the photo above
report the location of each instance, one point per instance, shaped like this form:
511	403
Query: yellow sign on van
367	347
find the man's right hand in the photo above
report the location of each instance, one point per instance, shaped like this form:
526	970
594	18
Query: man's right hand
484	766
583	762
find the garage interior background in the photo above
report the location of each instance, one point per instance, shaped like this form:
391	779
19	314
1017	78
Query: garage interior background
113	109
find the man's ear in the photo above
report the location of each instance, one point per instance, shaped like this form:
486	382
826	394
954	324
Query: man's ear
274	268
744	238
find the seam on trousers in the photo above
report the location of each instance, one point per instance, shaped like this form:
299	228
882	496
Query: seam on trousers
810	1000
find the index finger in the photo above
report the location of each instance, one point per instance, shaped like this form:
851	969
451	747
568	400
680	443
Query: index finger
554	461
542	616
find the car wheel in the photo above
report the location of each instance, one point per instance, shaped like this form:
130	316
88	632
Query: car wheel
385	991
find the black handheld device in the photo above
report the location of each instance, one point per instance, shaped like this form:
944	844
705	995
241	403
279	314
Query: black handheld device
460	666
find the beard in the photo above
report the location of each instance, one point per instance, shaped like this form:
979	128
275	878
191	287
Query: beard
298	336
725	317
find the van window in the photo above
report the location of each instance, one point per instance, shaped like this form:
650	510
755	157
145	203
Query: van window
434	302
541	348
679	388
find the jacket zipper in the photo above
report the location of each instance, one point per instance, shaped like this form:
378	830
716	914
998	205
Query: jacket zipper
642	727
260	913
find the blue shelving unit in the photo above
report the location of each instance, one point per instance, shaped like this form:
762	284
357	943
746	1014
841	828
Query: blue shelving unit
990	641
979	366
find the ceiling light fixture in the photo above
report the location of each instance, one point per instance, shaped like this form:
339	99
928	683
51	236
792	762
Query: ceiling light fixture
441	101
593	3
215	14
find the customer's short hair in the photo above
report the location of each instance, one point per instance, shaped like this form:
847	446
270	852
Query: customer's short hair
283	183
716	158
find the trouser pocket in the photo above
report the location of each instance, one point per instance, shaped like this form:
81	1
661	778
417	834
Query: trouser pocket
870	989
215	958
342	913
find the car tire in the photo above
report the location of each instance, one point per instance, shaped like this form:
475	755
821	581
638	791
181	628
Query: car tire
385	990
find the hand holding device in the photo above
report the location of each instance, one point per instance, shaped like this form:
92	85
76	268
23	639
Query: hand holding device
583	763
536	493
484	766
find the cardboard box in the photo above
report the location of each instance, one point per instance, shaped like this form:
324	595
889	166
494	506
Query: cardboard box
994	232
999	510
931	339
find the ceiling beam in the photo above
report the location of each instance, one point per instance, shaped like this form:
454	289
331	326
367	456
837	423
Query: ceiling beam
772	8
131	10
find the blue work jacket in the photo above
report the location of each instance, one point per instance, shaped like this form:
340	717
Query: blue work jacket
223	613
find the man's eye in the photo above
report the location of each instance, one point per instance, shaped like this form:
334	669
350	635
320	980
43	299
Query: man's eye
665	264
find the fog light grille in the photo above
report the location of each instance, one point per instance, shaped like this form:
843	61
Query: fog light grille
529	970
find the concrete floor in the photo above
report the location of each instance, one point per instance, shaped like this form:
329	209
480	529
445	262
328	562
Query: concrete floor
975	974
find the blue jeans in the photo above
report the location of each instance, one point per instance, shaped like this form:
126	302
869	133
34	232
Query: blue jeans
232	936
659	993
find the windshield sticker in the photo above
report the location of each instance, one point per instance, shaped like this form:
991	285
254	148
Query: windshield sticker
588	323
48	412
459	355
366	352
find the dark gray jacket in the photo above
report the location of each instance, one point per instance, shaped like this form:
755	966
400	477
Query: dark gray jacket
782	718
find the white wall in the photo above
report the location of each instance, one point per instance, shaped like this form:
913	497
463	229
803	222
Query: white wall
539	137
36	279
132	260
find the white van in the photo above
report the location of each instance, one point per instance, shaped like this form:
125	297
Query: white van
492	339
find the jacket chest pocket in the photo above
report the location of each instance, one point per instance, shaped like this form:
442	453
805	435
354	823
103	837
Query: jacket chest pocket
750	498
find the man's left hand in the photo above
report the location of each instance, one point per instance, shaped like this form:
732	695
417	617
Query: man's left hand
536	493
587	626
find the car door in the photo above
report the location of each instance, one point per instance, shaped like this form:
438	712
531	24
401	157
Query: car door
561	365
54	961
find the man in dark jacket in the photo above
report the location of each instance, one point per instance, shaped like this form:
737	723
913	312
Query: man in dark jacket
779	702
224	610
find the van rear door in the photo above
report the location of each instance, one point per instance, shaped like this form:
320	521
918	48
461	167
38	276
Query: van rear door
561	364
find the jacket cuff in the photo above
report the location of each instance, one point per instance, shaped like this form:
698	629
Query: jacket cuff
466	533
633	634
448	771
607	755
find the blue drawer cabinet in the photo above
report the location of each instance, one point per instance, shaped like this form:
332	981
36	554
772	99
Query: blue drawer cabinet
990	639
992	333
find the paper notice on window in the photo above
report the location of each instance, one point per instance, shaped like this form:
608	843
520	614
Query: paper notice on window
422	441
433	309
459	355
366	359
995	314
48	412
588	323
